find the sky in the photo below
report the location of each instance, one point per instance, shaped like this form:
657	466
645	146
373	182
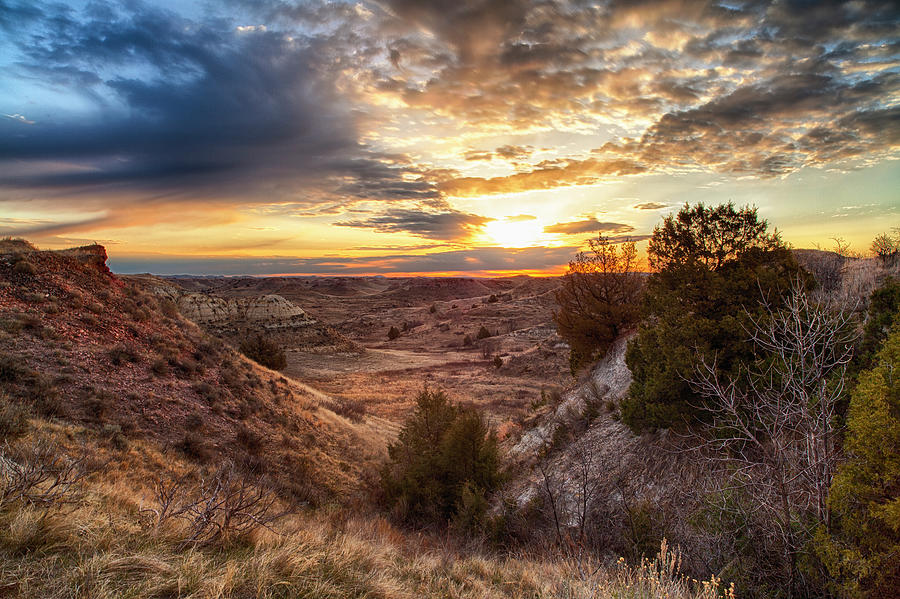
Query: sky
445	137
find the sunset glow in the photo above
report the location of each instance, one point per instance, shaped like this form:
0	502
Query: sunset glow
317	137
511	233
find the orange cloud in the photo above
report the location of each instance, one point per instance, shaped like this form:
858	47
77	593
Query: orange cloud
573	172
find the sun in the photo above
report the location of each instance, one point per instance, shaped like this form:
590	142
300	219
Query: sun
515	233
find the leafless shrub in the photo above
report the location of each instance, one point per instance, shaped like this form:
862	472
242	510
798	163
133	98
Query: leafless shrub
223	507
40	477
775	441
825	267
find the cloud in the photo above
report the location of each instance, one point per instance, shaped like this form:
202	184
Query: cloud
321	107
478	155
545	176
750	88
477	260
18	117
590	225
510	152
450	225
29	228
650	206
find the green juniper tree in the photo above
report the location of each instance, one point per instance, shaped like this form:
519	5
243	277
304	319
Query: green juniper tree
444	462
862	547
712	266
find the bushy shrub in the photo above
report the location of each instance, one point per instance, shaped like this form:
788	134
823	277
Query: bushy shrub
265	352
13	419
393	333
160	366
483	333
443	464
11	370
860	549
121	354
884	308
351	409
44	395
24	267
194	446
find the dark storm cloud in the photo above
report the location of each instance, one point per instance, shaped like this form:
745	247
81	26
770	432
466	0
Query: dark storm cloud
448	225
204	108
589	225
473	260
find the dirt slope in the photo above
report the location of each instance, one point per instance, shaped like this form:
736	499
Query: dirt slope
630	477
82	345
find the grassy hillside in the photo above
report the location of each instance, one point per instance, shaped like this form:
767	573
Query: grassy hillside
81	345
100	540
141	458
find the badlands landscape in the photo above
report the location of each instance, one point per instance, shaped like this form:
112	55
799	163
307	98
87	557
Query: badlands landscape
335	333
427	437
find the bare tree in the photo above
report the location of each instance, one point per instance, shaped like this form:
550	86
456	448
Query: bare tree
587	485
550	487
776	428
599	298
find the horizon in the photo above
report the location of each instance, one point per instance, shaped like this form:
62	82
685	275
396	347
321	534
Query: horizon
465	139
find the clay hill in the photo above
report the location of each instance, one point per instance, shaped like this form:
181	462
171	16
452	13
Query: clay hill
237	318
84	346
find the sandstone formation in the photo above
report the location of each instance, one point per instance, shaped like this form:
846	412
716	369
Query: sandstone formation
270	312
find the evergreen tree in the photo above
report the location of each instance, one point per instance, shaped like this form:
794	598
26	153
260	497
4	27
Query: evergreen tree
445	457
714	266
861	552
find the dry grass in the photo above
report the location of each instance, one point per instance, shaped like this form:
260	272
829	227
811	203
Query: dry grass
100	551
100	544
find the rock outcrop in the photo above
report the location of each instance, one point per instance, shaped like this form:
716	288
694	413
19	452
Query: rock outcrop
270	312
